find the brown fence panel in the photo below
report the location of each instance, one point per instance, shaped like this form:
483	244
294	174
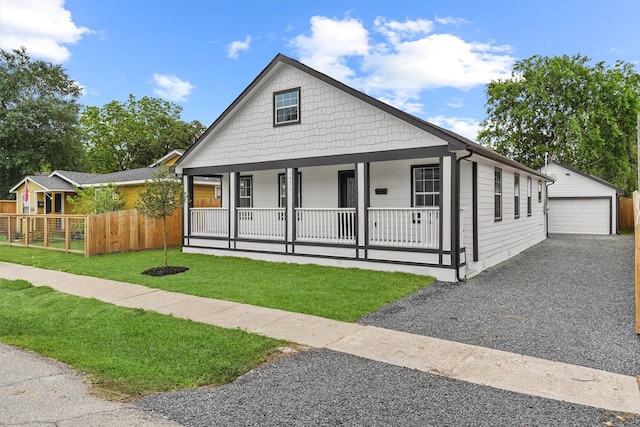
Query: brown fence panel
7	206
130	231
626	217
210	202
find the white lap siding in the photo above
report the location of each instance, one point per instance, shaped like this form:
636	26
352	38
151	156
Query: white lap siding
500	240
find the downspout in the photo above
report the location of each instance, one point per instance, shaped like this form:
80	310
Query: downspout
457	217
546	206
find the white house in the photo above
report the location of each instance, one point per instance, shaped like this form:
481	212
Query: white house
581	203
314	171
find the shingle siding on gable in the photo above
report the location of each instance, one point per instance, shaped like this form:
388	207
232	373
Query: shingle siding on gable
332	122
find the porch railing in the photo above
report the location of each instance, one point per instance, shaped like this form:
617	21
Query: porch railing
326	225
209	222
406	227
261	223
392	227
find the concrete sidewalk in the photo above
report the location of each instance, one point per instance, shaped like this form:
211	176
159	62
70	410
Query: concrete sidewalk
479	365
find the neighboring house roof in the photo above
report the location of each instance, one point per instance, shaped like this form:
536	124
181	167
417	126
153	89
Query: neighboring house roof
82	179
48	183
455	141
586	175
167	157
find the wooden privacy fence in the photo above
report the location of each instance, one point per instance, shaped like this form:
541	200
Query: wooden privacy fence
7	206
626	216
91	234
129	230
636	211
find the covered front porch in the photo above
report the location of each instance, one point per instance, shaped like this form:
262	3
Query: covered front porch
395	210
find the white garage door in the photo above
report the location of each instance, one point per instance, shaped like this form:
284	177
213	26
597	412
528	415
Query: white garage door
579	216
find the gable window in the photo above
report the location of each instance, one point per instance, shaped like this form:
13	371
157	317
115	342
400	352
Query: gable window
539	191
426	186
286	107
282	195
516	195
529	192
246	192
497	194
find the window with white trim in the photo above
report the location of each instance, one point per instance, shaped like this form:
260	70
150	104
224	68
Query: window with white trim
426	186
539	191
246	192
516	195
286	107
497	194
529	193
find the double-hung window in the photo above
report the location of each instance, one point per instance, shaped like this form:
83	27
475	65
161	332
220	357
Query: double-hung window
497	194
516	195
539	191
426	186
246	192
529	193
286	107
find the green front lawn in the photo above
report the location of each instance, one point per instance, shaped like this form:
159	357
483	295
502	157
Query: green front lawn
344	294
126	352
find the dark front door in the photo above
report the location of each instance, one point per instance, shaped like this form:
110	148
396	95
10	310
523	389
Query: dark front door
347	198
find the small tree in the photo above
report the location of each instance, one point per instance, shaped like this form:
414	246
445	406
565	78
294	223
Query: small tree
161	196
96	200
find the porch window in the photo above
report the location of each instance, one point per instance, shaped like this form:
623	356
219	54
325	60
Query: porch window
246	192
282	190
497	195
426	186
286	106
529	192
516	195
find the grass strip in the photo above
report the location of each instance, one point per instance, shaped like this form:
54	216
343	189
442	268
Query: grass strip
344	294
126	352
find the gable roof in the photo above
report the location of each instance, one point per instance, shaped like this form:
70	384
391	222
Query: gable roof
455	141
586	175
47	182
177	152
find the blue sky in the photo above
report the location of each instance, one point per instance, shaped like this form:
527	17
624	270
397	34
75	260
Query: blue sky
430	58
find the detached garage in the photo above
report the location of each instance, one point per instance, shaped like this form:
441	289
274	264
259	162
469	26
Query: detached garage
581	203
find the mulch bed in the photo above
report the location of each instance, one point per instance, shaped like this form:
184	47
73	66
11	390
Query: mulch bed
164	271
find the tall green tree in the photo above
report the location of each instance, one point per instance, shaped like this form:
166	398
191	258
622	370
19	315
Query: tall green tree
133	134
160	198
583	115
38	118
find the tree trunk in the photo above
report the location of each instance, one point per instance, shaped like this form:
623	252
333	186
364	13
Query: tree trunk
164	239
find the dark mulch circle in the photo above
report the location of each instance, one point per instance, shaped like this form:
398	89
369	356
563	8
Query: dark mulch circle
164	271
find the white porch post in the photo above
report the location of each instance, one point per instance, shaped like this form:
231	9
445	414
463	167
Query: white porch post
188	202
291	203
446	202
362	203
234	178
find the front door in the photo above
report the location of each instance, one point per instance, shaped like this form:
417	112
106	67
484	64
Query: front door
347	198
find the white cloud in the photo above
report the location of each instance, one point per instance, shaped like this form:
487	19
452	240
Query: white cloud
406	59
43	27
238	46
171	87
455	103
331	43
463	126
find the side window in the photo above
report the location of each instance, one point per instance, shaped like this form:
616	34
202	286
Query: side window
539	191
497	195
516	195
529	192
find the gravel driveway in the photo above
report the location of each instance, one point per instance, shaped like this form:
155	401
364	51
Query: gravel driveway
568	299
